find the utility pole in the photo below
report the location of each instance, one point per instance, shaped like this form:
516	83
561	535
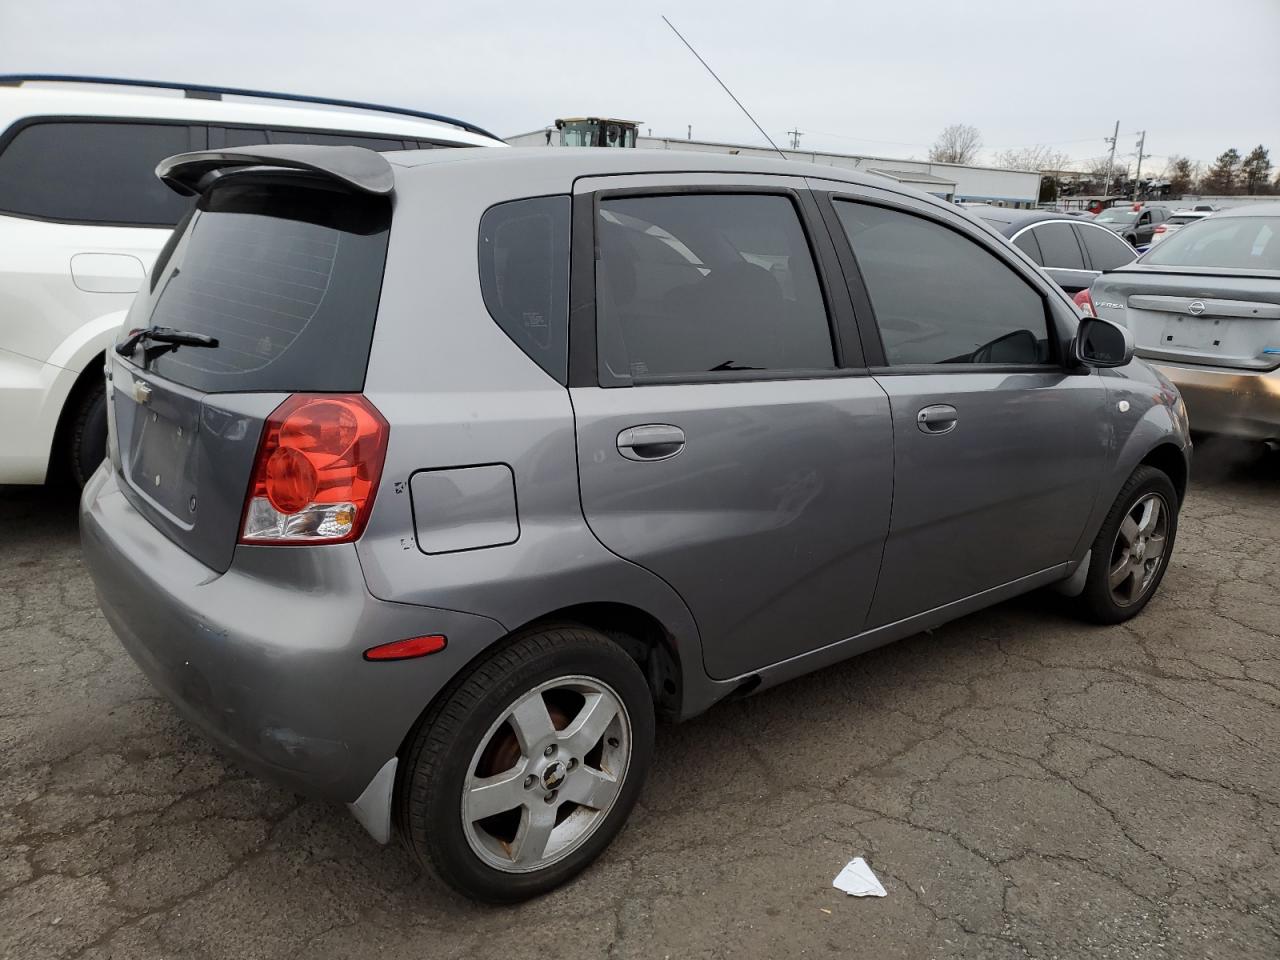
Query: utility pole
795	138
1137	177
1112	158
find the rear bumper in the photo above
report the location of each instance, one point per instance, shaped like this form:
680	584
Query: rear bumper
1236	403
265	659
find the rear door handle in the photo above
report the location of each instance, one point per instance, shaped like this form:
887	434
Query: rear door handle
651	441
937	418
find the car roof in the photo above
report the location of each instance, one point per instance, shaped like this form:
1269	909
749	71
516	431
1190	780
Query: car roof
1008	221
88	101
576	162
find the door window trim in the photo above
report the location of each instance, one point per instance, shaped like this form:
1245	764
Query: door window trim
197	139
873	345
584	368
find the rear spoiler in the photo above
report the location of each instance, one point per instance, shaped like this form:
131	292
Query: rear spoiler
356	167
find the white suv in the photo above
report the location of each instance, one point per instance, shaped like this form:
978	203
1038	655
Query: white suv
82	217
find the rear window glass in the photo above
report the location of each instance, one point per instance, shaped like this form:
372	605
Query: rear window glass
285	276
524	277
1117	215
1242	243
93	172
1184	218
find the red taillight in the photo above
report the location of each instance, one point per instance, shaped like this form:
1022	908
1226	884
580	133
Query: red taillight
1160	229
316	471
406	649
1084	303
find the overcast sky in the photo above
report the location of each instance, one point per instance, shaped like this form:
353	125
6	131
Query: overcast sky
857	76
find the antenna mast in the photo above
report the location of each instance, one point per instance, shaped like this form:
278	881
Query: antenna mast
726	89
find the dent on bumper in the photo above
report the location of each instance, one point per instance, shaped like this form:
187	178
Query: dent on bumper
1238	403
266	658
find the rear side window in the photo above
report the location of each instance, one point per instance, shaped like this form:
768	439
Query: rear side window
938	296
1242	243
702	284
286	277
1060	247
1106	250
93	172
1026	242
524	277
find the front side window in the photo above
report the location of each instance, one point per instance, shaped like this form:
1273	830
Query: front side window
704	284
524	276
93	172
1106	250
938	296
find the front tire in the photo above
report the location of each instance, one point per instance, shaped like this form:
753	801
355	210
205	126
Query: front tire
524	772
1131	551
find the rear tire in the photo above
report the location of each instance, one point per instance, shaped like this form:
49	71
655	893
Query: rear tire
1124	572
87	435
517	726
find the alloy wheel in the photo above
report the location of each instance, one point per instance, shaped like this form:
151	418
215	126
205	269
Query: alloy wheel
1139	549
546	774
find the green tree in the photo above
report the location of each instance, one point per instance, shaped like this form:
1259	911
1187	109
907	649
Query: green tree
1256	169
1222	176
1181	174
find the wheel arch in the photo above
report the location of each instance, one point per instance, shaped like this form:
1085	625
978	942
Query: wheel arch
1169	460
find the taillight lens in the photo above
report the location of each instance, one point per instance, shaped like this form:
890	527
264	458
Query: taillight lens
316	472
1084	303
1160	229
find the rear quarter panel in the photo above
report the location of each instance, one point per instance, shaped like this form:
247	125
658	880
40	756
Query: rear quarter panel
457	392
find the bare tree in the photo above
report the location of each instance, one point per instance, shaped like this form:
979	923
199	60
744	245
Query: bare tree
958	143
1036	159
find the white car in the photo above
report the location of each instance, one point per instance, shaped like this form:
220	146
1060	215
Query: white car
82	217
1177	220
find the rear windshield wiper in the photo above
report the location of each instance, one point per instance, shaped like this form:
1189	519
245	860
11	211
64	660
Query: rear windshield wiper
731	365
166	335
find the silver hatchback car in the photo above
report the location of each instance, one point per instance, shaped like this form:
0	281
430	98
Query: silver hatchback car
435	477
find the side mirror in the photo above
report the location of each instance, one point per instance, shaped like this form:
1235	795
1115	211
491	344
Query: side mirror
1101	343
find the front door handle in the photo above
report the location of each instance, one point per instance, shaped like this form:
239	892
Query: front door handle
937	418
651	441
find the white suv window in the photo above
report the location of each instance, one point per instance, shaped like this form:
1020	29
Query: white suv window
92	172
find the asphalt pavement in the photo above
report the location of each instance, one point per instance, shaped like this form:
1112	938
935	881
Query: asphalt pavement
1022	784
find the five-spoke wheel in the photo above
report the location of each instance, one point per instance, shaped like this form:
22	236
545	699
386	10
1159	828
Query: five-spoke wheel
546	773
524	771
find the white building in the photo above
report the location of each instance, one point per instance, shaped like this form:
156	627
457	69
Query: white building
950	181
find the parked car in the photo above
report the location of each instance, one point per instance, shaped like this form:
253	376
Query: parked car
439	505
1136	224
1072	252
1204	307
82	217
1177	219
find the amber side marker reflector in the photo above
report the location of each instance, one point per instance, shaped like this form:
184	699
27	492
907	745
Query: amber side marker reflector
407	649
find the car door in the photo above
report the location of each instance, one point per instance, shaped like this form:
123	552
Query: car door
729	437
1062	257
998	447
1144	230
